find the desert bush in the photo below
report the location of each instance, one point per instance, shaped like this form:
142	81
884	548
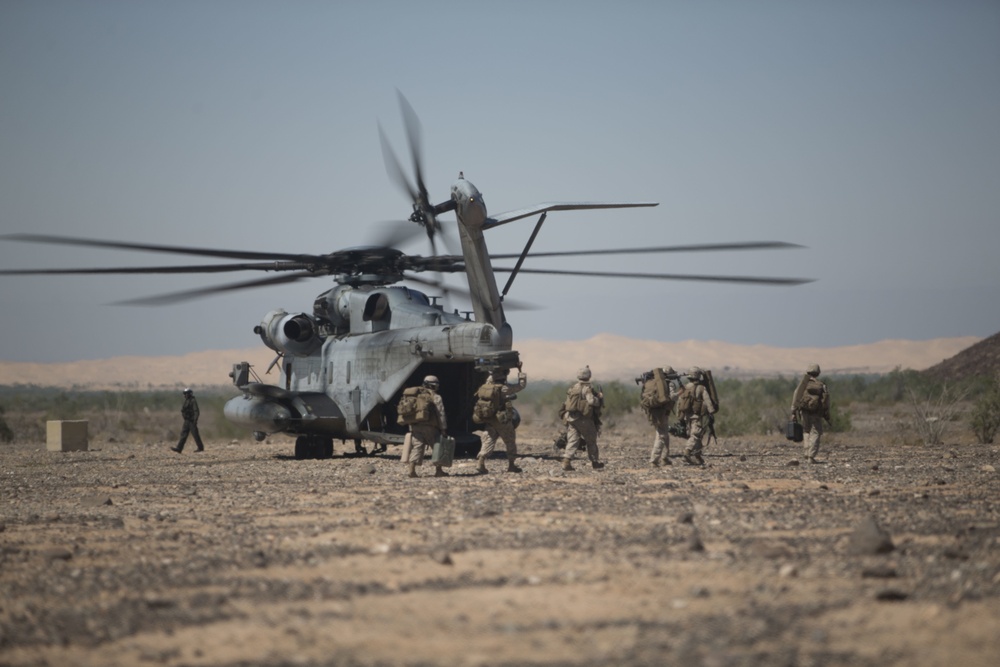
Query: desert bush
933	411
6	435
985	415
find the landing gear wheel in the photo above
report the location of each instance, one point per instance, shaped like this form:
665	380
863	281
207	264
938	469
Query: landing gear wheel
301	448
359	448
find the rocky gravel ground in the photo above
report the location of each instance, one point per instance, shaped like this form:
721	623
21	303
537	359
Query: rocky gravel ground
885	553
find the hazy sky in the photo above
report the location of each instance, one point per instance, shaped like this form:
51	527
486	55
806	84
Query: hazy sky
867	131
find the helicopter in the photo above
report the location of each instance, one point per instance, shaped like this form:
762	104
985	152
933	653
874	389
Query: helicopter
344	365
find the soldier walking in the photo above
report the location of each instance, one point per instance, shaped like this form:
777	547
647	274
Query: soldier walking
659	393
494	411
582	402
190	413
811	405
430	425
695	406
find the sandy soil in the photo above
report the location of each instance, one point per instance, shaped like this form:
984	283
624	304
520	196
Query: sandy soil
133	555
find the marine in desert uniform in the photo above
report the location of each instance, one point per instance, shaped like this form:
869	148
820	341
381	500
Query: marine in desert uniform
581	404
190	414
658	409
695	405
811	406
424	434
500	422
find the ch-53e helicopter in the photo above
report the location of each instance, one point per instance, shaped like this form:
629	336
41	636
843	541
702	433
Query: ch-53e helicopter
344	365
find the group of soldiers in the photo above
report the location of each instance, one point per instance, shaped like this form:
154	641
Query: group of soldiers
664	391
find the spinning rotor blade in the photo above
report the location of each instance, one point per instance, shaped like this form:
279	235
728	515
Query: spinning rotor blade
666	276
753	245
145	247
194	268
187	295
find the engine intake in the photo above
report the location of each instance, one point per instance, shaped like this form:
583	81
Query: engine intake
289	334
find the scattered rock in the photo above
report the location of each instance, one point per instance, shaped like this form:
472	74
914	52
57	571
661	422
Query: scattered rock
891	595
793	463
869	539
694	542
442	558
788	570
879	572
686	517
57	553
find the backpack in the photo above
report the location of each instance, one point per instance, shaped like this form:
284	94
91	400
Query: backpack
575	402
812	398
489	403
652	399
416	407
690	402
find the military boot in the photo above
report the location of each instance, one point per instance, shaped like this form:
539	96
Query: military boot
413	470
596	465
568	465
481	466
512	467
655	463
439	472
699	459
667	461
689	459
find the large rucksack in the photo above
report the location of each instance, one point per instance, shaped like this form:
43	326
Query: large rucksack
416	407
489	403
655	397
575	402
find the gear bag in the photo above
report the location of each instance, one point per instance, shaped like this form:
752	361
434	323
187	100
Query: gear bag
656	393
489	403
690	402
416	407
812	398
575	402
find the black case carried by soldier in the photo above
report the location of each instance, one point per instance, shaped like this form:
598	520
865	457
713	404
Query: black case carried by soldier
793	430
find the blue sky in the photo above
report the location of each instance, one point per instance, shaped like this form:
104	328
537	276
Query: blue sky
867	132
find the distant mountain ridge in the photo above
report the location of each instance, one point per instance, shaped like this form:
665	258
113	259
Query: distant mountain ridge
981	359
610	357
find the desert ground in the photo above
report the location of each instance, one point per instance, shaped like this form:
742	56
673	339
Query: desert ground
887	552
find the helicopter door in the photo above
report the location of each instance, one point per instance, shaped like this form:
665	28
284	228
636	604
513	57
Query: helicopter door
377	311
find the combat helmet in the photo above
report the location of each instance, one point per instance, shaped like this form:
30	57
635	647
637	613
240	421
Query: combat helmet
813	370
694	373
583	374
431	382
188	391
668	370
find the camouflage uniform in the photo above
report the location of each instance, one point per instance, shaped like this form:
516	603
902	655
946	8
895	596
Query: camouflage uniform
190	413
426	434
700	407
812	403
580	425
501	426
659	417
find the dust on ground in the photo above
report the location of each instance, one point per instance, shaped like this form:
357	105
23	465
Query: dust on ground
885	553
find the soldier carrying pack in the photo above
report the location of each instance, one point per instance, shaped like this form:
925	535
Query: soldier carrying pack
489	404
416	407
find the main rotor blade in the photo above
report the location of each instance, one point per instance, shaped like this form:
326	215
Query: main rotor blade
146	247
666	276
194	268
394	233
712	247
188	295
